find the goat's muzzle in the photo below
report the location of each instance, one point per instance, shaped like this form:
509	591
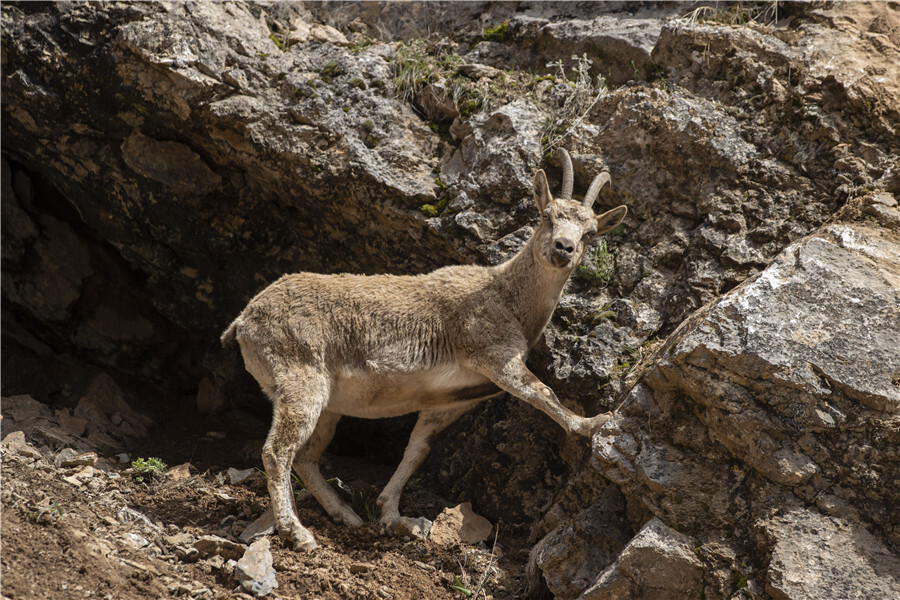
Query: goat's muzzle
563	252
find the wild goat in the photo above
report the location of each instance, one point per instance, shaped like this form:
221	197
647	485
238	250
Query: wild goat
324	346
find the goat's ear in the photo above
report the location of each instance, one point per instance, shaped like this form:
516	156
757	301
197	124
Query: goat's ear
611	218
542	195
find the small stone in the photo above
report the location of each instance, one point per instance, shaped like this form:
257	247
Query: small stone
124	458
261	527
476	71
229	567
65	455
361	567
460	524
187	554
254	570
178	539
81	477
180	472
413	528
213	544
135	541
87	459
129	515
236	476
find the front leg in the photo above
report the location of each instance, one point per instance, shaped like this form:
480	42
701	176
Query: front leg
512	375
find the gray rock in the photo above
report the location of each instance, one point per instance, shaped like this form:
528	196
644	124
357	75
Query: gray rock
826	558
74	459
254	570
657	563
264	525
236	476
135	541
748	389
568	559
129	515
619	46
417	528
214	545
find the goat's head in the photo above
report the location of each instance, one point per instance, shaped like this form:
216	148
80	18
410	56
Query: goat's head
566	225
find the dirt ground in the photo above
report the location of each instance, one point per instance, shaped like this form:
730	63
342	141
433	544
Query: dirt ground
97	532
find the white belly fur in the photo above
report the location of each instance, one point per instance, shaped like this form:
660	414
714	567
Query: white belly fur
375	394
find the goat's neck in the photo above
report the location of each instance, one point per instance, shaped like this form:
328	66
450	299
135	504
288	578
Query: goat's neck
532	288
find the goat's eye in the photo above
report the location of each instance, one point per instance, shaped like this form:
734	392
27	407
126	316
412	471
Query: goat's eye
545	214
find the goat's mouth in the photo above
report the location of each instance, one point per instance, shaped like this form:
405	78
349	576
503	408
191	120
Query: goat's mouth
560	262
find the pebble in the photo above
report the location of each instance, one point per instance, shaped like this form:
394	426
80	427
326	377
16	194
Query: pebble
135	541
129	515
361	567
180	472
261	527
235	476
213	544
88	459
413	528
424	566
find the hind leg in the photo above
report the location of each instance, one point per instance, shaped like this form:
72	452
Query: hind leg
306	464
423	435
299	395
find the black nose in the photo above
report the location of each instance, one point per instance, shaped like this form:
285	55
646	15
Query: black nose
564	246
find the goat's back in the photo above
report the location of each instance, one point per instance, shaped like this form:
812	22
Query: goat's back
353	320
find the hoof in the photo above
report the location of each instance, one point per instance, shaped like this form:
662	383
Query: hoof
301	539
305	545
598	422
350	519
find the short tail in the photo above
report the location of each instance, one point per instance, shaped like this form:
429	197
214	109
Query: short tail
230	334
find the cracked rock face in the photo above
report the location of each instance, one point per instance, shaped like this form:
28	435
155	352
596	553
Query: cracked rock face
164	162
787	388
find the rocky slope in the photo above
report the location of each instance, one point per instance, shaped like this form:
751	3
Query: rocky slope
163	162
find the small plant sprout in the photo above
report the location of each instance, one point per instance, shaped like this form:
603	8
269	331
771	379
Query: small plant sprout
46	511
152	468
584	91
462	584
597	266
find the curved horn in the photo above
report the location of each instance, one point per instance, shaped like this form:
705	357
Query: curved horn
568	178
596	185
